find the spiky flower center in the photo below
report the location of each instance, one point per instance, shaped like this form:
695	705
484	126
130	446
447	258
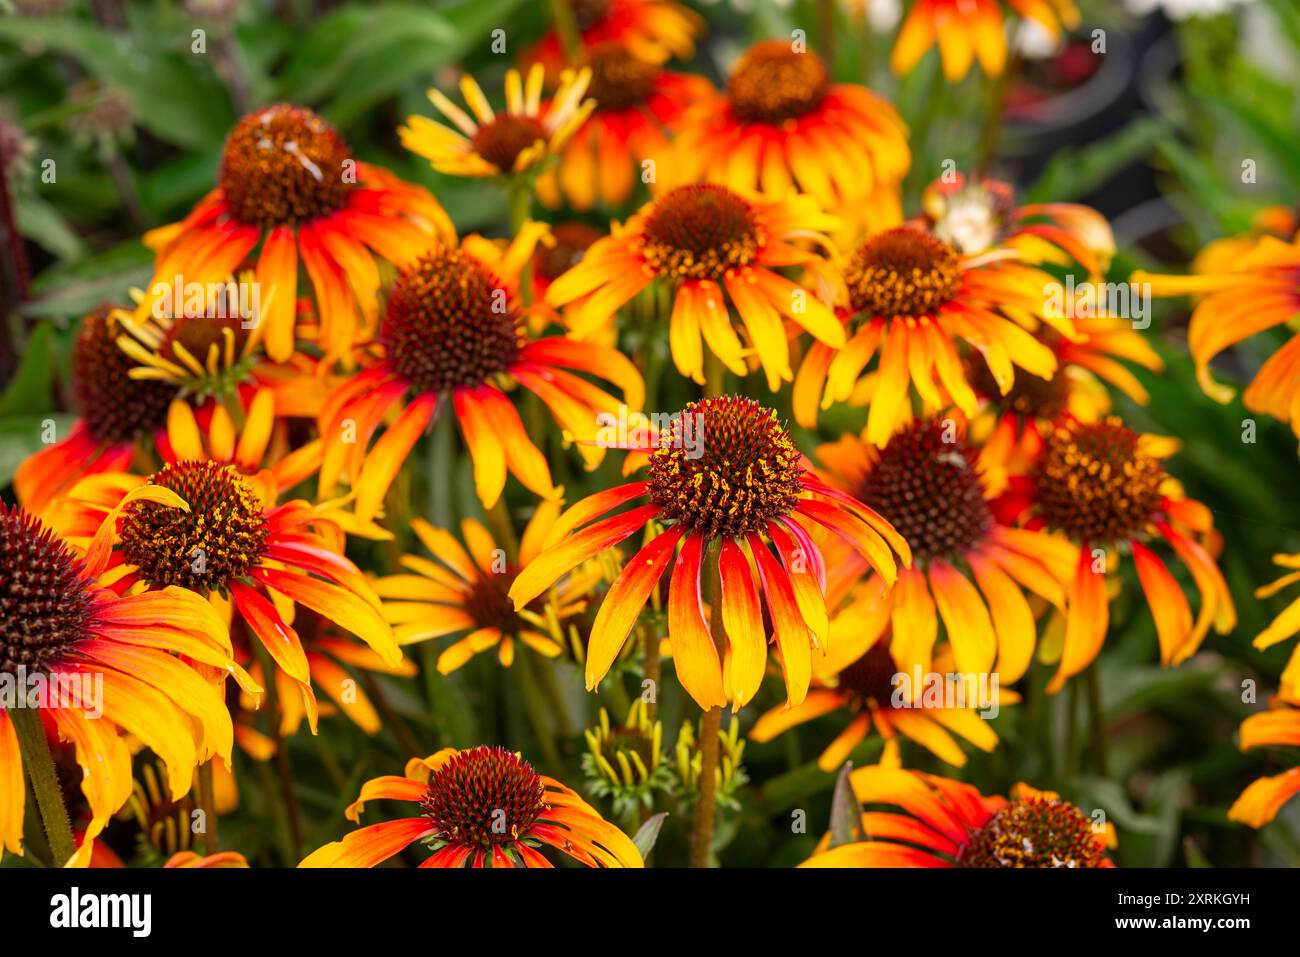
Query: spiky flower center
501	140
700	231
115	407
925	483
773	83
488	603
572	240
588	13
44	602
1035	831
449	322
726	466
284	165
1095	483
484	797
620	79
215	542
902	272
870	679
198	334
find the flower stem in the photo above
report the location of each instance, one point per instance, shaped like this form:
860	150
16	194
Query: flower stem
711	721
206	799
566	26
38	761
1097	718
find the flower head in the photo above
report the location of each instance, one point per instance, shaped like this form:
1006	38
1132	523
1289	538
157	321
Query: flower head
500	144
453	329
725	473
117	662
950	824
482	807
712	247
289	184
781	124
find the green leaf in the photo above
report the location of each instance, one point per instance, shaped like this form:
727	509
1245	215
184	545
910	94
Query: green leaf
648	834
846	813
32	388
44	225
20	436
173	101
1074	173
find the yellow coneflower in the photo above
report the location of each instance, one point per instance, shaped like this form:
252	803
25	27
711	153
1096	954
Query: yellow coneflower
1280	725
213	352
500	144
950	824
857	675
969	30
725	471
483	807
466	592
781	123
1256	292
289	183
712	246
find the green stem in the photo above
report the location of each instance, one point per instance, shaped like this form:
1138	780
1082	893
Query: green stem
566	26
711	721
206	799
1097	718
535	708
38	761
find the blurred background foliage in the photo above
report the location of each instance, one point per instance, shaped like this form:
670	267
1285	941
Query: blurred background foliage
112	122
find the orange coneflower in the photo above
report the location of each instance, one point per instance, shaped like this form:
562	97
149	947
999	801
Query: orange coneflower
208	521
858	675
950	824
1256	292
969	571
452	326
913	298
650	29
637	103
500	144
781	122
59	623
468	593
1105	487
1280	725
289	183
967	30
713	246
1015	424
725	472
482	807
116	413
